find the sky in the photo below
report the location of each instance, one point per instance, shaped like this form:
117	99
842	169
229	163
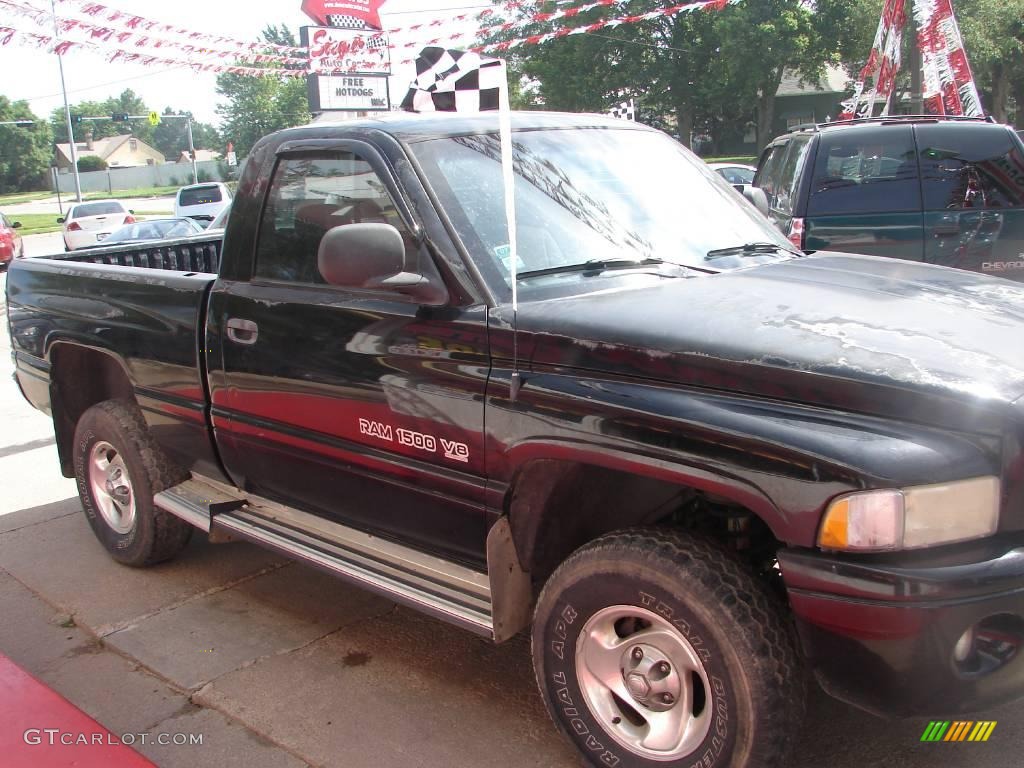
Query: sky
33	75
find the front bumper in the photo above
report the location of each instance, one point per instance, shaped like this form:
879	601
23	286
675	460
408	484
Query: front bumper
881	632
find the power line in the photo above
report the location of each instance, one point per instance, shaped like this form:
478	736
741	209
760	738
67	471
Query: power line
638	42
437	10
101	85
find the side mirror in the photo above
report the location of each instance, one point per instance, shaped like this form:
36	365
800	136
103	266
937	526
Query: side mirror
372	256
60	220
757	196
16	225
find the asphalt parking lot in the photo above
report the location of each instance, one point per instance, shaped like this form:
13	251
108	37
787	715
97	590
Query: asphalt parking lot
276	664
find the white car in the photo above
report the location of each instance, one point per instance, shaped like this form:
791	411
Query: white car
734	173
202	201
90	223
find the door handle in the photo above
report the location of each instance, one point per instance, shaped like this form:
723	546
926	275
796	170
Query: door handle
242	331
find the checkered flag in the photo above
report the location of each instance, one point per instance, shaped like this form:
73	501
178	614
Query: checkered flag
625	111
342	21
455	81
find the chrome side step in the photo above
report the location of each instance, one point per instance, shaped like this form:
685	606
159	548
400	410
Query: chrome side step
430	584
195	501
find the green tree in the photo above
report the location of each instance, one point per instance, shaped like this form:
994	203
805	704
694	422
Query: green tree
127	103
25	152
693	71
256	106
171	136
993	32
91	163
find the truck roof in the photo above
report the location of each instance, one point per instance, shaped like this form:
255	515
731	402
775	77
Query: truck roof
411	127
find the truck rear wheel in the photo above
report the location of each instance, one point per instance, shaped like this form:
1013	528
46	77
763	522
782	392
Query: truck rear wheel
656	648
119	469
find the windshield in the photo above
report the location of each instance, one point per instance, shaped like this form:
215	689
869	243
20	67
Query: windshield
154	230
590	195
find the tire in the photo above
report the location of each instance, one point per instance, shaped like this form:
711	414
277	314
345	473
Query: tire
119	468
626	605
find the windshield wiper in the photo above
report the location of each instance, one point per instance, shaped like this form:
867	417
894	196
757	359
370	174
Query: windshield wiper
749	249
594	266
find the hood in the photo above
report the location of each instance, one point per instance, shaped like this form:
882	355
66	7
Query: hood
860	333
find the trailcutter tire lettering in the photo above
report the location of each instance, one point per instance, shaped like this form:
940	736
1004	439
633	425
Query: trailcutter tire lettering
656	648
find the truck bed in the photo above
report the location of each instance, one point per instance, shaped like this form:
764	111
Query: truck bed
141	308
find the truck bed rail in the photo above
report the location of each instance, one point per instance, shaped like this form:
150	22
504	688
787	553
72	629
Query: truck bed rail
200	253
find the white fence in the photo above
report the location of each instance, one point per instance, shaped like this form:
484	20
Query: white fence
139	177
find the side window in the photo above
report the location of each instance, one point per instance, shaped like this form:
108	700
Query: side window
308	196
768	169
970	166
785	194
865	170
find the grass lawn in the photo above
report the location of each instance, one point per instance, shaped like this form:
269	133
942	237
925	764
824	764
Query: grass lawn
121	194
117	194
742	160
41	223
23	197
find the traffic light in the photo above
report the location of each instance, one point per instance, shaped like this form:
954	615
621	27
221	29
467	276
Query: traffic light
76	119
119	117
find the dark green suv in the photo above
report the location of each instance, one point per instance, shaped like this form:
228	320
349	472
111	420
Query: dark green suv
939	190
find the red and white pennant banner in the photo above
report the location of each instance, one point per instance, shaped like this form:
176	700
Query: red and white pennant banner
948	87
12	36
536	18
99	34
533	18
135	23
882	65
545	37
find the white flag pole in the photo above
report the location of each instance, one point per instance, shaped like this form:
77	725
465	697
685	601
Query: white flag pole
508	177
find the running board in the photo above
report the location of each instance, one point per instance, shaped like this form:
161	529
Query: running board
195	501
430	584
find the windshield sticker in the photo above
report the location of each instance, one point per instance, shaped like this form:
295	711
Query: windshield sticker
504	254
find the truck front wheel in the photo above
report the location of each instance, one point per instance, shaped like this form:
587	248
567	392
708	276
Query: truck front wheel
656	648
119	469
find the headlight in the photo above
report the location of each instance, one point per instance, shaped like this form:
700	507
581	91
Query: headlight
909	518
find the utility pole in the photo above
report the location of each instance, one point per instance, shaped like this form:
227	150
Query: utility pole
67	110
914	62
192	152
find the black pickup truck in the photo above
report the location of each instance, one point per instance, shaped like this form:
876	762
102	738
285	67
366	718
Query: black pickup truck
695	463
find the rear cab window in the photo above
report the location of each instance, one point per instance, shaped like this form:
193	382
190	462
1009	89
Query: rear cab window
199	195
968	166
865	170
96	209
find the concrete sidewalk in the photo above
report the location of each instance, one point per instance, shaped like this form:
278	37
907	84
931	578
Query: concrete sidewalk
276	664
273	662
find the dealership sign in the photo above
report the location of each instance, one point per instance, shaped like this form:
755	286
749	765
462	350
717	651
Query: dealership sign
351	93
353	14
337	51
